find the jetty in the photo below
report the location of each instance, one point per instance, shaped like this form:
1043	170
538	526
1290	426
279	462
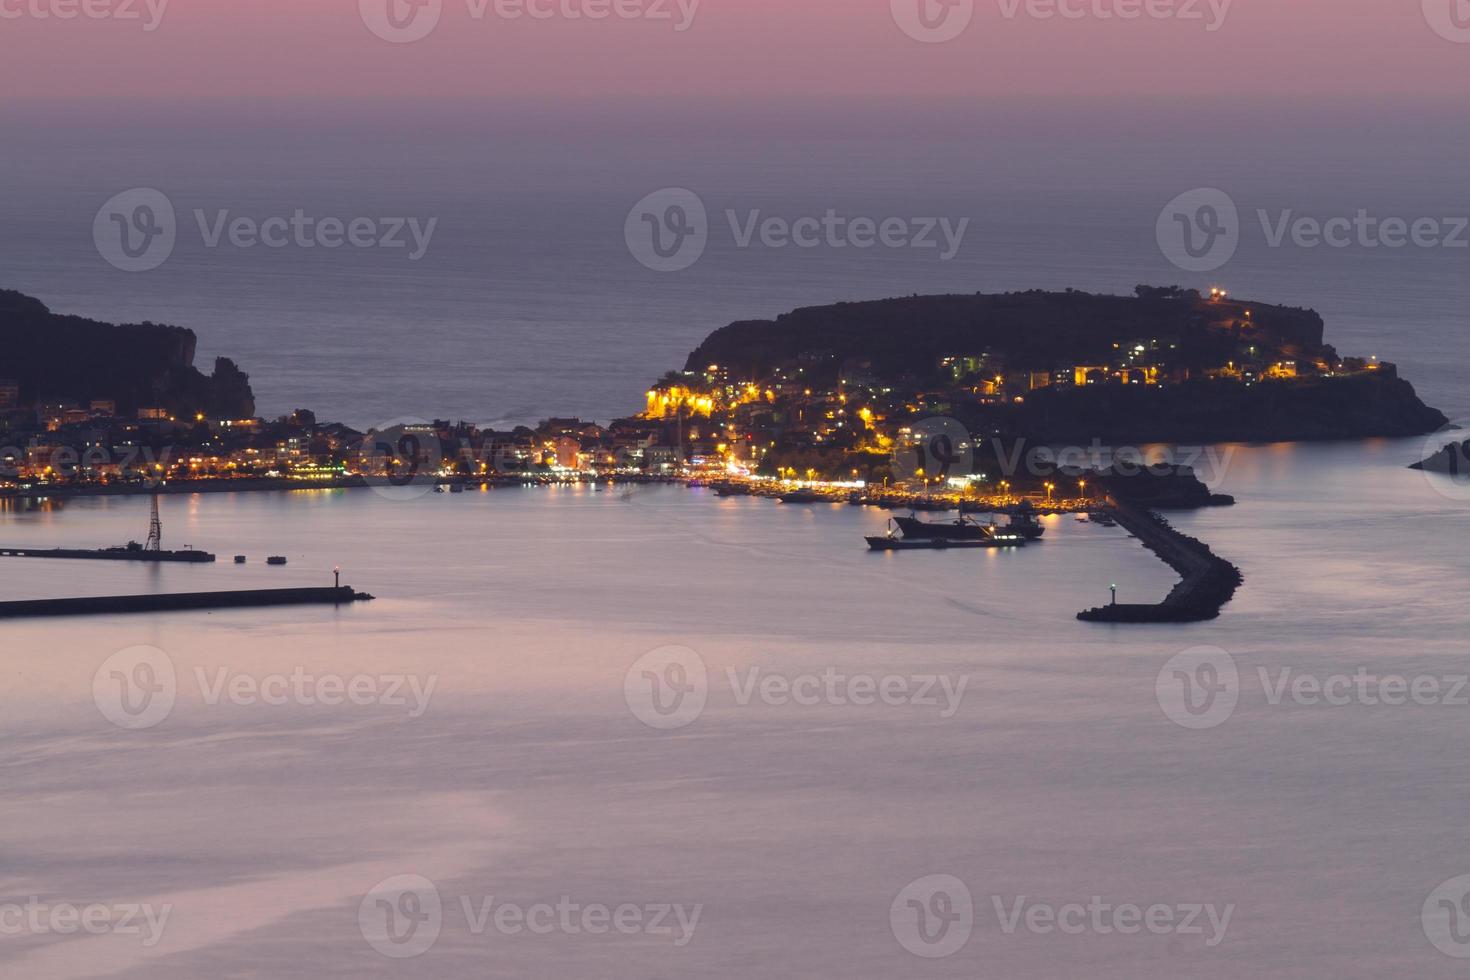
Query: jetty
135	553
180	601
1208	581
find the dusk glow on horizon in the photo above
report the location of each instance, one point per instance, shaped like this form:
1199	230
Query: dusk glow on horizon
989	50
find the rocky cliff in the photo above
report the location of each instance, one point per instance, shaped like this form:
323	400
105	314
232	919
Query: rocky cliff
70	358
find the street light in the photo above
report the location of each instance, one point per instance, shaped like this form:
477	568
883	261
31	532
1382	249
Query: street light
1049	488
1114	587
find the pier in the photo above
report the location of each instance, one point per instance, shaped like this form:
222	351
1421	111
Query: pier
1208	582
152	550
107	554
180	601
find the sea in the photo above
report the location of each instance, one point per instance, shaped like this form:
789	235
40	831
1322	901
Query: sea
652	732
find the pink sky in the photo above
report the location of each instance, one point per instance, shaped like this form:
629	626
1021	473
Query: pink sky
1287	49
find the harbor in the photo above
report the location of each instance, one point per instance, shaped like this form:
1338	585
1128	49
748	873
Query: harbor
152	551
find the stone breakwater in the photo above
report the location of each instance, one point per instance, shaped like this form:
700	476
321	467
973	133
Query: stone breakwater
179	601
1208	581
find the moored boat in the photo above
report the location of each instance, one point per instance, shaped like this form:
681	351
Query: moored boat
1023	522
963	529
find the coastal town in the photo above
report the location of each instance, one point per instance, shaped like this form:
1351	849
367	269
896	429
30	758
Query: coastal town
810	417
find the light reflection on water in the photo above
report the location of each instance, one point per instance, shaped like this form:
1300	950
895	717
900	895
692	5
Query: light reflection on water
528	776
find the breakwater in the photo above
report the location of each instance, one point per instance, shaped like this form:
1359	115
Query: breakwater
1208	581
108	554
179	601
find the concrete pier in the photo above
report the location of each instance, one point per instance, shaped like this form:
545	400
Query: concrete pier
1209	582
177	601
108	554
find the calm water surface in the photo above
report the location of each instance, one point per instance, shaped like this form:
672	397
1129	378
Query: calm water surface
528	778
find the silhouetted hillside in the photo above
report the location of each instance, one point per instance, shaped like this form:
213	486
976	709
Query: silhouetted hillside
1033	330
56	358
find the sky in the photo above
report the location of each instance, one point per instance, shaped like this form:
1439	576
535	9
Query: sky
755	50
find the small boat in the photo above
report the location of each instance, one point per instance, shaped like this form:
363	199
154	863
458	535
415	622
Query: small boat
456	488
239	559
1023	522
802	497
276	560
439	488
